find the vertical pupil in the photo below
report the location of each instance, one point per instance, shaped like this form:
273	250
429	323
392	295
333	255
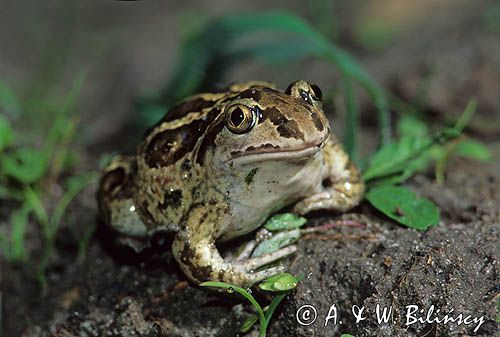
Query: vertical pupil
237	117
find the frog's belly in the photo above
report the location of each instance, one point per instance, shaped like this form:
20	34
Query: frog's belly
274	187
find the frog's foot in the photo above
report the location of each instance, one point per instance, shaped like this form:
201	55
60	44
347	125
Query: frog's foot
248	248
203	262
246	252
250	265
332	200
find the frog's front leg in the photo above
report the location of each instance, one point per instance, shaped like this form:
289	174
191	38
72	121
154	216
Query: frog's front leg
342	185
195	251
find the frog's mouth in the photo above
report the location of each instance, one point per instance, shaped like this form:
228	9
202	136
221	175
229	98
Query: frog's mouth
266	152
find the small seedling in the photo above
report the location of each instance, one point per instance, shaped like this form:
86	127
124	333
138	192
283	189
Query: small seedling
414	151
281	284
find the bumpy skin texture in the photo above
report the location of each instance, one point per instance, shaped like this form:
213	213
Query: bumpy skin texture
217	165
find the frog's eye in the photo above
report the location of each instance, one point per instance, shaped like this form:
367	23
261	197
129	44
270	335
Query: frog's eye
240	118
317	91
307	92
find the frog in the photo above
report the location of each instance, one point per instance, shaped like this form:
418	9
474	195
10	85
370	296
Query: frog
217	165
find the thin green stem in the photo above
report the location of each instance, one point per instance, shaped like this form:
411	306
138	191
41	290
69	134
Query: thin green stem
247	296
466	116
352	120
40	211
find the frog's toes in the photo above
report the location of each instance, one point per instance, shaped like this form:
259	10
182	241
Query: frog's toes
259	261
246	252
268	272
247	268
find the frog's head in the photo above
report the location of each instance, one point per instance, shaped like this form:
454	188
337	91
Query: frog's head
262	124
277	135
263	149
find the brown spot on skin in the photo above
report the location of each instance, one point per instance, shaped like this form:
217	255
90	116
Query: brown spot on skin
208	141
187	165
201	273
183	108
187	254
287	128
318	124
308	108
146	216
172	198
290	129
251	93
168	146
274	115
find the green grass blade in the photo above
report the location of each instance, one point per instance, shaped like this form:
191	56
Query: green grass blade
78	183
352	119
466	116
36	204
272	307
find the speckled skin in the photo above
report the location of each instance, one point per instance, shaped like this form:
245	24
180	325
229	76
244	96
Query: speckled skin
217	165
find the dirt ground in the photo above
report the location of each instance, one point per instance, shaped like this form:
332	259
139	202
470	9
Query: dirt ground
453	266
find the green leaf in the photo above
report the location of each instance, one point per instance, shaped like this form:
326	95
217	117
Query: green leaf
473	149
284	221
279	282
346	335
411	126
276	242
249	323
6	134
402	205
26	165
396	157
466	116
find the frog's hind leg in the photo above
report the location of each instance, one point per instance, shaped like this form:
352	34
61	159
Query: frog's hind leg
116	204
195	251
